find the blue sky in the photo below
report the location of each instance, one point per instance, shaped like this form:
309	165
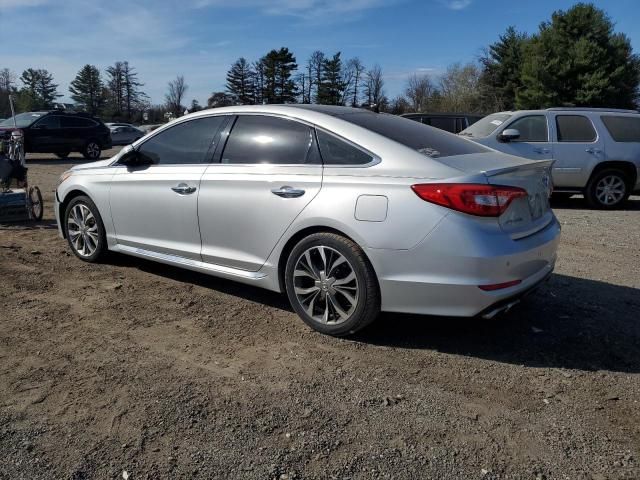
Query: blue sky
201	38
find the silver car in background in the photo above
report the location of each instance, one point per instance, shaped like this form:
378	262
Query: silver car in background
596	151
125	134
347	211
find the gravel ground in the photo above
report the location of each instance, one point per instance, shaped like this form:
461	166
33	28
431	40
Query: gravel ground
130	366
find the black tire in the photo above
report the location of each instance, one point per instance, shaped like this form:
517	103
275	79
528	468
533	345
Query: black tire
594	193
99	237
36	205
366	306
92	150
64	154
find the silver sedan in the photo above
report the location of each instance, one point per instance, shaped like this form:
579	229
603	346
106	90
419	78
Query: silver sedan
124	134
349	212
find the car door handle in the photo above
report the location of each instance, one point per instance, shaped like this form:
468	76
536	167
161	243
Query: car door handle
541	150
288	192
593	150
183	189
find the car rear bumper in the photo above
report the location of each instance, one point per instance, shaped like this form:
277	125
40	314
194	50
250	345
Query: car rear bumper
442	275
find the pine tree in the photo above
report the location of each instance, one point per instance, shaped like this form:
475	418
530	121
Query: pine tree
125	97
502	70
39	88
241	82
576	59
278	67
115	85
87	90
331	87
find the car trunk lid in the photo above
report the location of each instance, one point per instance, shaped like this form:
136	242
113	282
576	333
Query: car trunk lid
526	215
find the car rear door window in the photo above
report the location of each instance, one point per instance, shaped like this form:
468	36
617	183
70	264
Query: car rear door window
575	128
50	121
76	122
335	151
269	140
532	128
186	143
623	129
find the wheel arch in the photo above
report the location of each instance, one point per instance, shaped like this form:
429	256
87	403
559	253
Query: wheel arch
305	232
627	167
62	207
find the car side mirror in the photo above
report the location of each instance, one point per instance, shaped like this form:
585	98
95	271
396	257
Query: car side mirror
509	134
133	158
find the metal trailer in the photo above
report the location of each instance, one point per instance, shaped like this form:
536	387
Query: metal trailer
18	200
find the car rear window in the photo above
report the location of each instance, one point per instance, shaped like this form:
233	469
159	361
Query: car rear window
623	129
427	140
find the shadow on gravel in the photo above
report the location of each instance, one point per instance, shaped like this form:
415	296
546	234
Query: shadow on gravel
569	323
577	202
247	292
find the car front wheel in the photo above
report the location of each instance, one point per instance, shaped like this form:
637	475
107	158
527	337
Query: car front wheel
91	151
84	229
607	189
331	284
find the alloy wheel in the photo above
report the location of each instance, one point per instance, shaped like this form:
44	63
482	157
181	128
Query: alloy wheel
82	229
610	190
93	150
325	285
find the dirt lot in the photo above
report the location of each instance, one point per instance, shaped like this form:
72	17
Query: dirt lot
162	373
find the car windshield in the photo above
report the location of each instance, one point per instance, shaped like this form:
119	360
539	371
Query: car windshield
485	126
426	140
22	119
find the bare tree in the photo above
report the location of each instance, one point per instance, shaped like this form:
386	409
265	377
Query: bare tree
459	88
374	88
177	91
357	69
419	92
314	70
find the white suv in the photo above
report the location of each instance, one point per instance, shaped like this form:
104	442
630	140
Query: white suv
596	151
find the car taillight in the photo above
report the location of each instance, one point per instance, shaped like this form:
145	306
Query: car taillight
475	199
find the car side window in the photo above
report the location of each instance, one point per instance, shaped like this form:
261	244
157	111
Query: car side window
50	121
269	140
183	144
532	128
623	129
575	128
335	151
444	123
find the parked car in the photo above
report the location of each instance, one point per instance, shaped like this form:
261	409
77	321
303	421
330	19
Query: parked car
596	151
118	124
60	132
450	122
149	128
122	135
347	211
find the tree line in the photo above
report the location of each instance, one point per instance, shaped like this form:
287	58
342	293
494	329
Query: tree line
574	59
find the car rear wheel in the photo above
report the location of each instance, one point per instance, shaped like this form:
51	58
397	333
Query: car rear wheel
91	151
331	284
84	229
64	154
607	189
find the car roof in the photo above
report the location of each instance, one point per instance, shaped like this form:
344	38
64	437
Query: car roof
616	111
442	114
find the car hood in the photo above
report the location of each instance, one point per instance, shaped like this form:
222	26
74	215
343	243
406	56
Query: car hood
98	164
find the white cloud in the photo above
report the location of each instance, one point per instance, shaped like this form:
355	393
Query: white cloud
7	4
337	10
456	4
